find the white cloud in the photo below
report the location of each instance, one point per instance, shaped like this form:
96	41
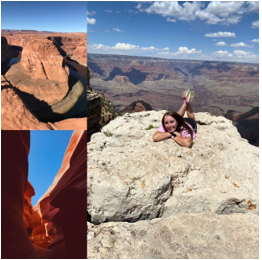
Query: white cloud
224	8
122	48
253	6
220	54
255	40
221	44
107	31
240	53
255	25
117	30
216	12
234	19
173	9
91	13
241	44
185	50
171	20
91	20
236	56
108	11
220	34
183	53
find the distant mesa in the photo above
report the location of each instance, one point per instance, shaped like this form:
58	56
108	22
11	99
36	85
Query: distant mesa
137	106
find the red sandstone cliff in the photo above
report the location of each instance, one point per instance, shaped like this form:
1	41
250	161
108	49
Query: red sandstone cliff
56	226
6	52
63	207
15	242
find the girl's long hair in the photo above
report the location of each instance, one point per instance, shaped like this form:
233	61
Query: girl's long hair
180	121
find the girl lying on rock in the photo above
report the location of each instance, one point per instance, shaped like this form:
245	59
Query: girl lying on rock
181	130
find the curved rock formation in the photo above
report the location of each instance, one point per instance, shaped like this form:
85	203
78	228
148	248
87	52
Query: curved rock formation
56	226
15	190
62	208
193	199
40	72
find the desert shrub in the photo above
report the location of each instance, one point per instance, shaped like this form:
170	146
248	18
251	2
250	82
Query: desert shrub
149	127
108	134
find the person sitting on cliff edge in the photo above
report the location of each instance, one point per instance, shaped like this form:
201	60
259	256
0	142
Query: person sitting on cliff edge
181	130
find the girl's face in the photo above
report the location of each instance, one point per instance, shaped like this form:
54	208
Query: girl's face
170	123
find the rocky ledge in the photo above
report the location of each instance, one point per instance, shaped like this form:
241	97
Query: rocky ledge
166	201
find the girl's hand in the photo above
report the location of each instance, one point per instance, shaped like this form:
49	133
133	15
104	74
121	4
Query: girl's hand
177	133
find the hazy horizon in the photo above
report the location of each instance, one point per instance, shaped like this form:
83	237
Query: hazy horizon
257	63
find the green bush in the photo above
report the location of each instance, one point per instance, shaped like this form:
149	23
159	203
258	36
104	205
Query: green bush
108	134
149	127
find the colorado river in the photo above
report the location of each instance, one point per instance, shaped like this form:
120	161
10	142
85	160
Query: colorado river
74	105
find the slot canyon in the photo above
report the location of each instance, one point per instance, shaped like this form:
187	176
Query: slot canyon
56	226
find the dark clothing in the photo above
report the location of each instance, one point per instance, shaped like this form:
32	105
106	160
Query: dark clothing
192	122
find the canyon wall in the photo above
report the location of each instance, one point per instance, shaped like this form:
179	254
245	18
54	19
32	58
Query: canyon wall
56	226
15	242
62	208
100	111
6	52
219	86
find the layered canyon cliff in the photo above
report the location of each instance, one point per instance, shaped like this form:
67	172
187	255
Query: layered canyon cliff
219	86
49	76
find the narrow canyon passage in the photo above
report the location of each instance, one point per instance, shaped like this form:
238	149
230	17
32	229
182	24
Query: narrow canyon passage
56	226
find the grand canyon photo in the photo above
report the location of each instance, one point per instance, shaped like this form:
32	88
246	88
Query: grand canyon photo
221	88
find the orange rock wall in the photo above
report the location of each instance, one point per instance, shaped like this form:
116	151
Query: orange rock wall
63	206
15	191
56	226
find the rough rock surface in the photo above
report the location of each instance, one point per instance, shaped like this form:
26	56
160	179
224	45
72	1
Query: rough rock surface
70	124
131	178
15	115
93	112
182	236
80	53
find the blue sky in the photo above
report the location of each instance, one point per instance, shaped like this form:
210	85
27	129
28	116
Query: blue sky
57	16
47	149
222	31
